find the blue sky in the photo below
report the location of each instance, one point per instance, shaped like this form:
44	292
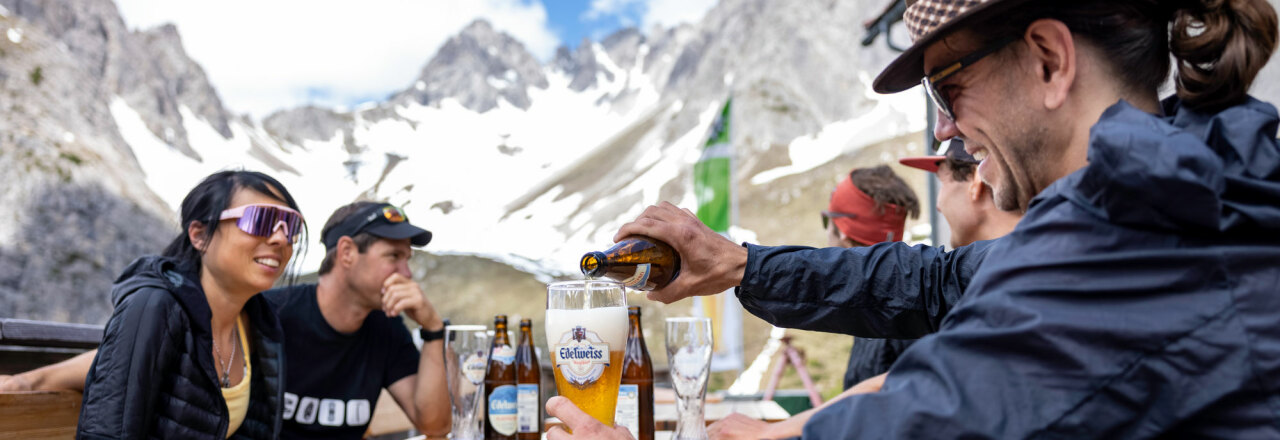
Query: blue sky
572	20
338	53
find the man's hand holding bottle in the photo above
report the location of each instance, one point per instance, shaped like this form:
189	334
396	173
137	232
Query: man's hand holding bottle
710	263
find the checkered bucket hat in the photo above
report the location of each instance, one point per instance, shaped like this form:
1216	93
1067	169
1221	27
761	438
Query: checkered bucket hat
929	21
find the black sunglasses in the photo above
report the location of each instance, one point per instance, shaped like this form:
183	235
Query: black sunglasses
942	73
826	215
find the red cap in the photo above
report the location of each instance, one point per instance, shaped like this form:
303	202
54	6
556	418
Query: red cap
953	148
854	212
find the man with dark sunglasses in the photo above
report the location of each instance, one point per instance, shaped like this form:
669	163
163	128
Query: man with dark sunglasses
1137	296
963	200
344	341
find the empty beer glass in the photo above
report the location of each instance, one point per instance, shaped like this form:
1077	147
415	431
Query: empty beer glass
689	357
587	330
466	349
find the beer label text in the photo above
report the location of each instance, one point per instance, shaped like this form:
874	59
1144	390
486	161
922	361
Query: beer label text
581	355
628	410
527	415
641	276
502	409
474	367
503	353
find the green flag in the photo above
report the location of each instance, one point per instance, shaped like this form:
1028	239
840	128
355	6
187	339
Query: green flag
711	175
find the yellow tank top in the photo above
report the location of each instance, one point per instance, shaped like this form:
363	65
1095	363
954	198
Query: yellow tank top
237	397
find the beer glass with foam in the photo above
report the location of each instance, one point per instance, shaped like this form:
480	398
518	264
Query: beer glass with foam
586	327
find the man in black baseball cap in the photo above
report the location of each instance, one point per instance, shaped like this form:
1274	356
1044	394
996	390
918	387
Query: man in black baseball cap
382	220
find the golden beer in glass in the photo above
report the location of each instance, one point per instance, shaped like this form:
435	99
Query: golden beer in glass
586	327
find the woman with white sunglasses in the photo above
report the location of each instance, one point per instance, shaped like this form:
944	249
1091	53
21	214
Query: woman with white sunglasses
192	350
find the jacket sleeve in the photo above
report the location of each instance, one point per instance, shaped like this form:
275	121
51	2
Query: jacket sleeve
1086	346
890	290
121	389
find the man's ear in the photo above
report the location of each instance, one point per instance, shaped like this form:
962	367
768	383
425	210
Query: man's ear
347	251
1052	50
195	233
976	187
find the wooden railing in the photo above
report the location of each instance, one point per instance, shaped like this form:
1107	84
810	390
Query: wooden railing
26	344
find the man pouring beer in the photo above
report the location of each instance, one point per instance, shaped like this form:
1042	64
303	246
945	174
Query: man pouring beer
1136	298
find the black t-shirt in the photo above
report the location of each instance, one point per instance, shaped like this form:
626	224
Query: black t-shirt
332	380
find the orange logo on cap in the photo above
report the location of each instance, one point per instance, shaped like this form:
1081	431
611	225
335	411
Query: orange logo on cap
392	214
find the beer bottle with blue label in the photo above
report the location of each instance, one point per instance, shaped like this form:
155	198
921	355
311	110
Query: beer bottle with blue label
528	386
638	262
635	395
500	394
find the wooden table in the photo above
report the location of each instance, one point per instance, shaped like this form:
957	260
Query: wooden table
665	417
39	414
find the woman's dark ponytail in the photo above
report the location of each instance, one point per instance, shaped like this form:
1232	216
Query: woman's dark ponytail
1220	46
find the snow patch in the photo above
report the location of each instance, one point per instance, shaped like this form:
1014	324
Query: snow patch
15	35
893	115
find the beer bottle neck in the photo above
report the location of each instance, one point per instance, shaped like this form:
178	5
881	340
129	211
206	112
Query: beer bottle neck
635	324
594	264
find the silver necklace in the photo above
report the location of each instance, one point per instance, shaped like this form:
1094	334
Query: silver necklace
226	375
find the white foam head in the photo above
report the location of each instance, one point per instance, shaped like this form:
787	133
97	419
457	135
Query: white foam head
610	323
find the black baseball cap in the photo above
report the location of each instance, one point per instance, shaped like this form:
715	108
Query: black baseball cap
382	220
953	149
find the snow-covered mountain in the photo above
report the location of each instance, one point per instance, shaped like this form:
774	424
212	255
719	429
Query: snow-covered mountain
534	163
501	155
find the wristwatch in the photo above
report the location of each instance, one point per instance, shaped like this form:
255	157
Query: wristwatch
428	335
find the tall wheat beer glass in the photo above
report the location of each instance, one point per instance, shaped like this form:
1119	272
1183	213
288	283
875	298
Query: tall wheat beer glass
587	331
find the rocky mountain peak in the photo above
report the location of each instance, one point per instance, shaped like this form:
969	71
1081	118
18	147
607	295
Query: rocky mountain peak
150	70
623	46
477	67
581	65
177	79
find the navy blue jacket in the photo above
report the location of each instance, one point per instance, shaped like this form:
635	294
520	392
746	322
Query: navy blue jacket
888	290
1139	297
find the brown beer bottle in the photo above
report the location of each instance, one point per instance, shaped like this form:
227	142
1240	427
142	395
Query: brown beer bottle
500	385
528	386
638	262
635	395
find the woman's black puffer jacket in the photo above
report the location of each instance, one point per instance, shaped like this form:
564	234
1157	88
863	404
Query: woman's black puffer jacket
154	375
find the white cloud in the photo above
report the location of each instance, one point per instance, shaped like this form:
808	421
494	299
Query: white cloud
267	55
605	8
672	12
649	13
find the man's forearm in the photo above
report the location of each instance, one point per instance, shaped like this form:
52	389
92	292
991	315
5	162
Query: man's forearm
431	396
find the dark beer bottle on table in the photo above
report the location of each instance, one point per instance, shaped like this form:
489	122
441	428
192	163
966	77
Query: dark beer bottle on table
528	386
635	395
500	385
638	262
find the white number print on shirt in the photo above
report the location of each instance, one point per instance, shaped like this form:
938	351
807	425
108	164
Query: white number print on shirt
326	412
